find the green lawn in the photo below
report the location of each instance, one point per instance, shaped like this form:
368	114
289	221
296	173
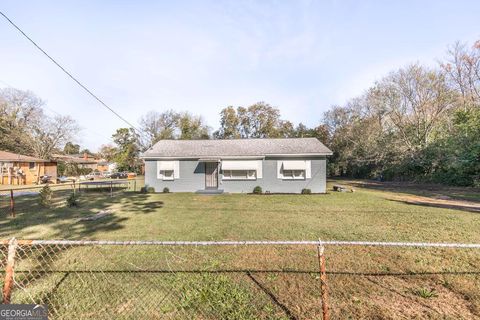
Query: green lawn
277	283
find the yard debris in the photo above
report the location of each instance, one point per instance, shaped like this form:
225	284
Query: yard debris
340	188
97	216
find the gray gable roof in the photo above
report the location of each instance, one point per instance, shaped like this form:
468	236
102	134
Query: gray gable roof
236	147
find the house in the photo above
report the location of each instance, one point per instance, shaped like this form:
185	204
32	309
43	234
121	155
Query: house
237	165
86	161
82	161
20	169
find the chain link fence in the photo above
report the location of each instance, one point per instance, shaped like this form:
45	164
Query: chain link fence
215	280
26	199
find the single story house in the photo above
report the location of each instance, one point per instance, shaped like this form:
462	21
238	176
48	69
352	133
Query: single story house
20	169
82	161
237	165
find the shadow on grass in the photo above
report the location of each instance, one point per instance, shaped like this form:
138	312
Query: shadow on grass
61	222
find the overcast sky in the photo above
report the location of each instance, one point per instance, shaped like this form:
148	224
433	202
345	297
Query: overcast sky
200	56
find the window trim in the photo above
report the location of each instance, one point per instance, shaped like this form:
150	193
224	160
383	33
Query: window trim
247	177
32	168
293	176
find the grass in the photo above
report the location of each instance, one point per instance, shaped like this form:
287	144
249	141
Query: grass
258	282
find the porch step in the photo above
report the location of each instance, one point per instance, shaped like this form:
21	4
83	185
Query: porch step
209	191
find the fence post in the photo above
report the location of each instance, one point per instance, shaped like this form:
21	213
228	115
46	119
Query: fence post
111	188
74	187
9	271
135	185
323	281
12	204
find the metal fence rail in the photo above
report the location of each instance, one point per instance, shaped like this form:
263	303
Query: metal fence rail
27	198
89	279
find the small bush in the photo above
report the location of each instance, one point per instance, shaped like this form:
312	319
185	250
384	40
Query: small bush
46	196
166	190
426	293
257	190
72	200
306	191
150	190
147	189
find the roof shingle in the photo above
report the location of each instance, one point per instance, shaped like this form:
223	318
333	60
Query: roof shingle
236	147
10	156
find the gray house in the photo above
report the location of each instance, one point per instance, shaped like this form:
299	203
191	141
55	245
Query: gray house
237	165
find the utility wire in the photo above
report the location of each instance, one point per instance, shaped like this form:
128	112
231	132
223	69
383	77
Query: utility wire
58	114
69	74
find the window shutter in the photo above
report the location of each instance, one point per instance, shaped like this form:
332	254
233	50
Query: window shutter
176	171
260	169
279	170
308	169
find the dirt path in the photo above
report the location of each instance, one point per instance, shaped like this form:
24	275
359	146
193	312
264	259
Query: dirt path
440	202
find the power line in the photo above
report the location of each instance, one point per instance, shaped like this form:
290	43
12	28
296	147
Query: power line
58	114
69	74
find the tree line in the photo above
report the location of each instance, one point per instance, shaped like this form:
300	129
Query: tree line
416	123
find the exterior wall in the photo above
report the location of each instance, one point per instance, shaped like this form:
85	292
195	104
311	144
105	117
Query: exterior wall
30	176
192	178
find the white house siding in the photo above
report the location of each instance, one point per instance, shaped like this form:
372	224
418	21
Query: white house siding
192	178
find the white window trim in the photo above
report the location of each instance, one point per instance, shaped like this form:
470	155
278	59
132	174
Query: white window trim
247	177
176	172
293	176
307	174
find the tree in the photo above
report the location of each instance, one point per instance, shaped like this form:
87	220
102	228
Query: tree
26	129
108	152
462	70
128	149
158	126
192	127
71	148
18	111
259	120
229	124
48	134
171	125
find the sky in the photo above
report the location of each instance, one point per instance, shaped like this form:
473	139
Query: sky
201	56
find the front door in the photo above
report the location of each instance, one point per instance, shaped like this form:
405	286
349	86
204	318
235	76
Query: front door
211	175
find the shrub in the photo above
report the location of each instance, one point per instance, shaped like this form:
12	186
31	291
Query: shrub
72	200
426	293
150	190
257	190
166	190
46	196
306	191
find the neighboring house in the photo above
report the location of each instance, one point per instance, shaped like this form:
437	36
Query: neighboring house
81	161
237	165
20	169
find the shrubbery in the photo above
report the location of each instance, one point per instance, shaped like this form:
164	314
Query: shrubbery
72	200
306	191
166	190
257	190
46	196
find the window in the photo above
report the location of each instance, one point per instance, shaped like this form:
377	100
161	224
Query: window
168	170
167	174
294	174
31	165
239	174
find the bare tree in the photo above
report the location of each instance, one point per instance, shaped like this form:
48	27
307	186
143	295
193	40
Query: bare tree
49	134
463	71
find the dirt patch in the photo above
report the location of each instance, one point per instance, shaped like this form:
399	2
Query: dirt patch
439	202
